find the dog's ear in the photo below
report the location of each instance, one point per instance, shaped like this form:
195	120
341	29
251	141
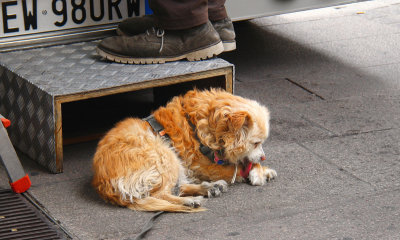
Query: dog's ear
238	120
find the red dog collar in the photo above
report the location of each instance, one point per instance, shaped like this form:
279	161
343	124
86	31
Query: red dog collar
246	170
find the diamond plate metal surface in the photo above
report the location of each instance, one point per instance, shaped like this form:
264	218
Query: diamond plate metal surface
31	113
76	68
30	81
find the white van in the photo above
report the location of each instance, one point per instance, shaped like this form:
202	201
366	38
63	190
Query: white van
28	23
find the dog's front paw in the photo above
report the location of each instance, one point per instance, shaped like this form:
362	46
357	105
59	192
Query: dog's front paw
215	189
260	174
269	173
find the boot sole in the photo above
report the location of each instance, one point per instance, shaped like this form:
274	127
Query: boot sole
196	55
228	45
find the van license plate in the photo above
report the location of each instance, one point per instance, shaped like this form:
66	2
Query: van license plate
24	17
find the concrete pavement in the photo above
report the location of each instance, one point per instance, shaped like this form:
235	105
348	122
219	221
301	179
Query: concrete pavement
331	78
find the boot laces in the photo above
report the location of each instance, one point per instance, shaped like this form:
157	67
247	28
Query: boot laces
159	33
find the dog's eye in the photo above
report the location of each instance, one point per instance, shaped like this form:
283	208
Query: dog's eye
257	143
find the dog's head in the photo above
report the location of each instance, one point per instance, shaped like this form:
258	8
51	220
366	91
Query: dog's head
242	132
235	126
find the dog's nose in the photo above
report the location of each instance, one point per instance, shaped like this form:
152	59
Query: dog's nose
263	158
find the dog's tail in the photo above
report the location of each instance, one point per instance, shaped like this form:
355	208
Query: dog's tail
152	204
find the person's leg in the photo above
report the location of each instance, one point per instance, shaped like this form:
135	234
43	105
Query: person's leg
182	31
216	10
179	14
168	15
222	23
216	14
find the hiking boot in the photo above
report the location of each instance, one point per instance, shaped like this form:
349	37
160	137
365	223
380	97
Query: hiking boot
136	25
226	32
159	46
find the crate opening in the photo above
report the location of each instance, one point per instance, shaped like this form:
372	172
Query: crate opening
89	119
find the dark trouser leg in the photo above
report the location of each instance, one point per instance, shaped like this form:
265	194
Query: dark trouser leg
179	14
216	10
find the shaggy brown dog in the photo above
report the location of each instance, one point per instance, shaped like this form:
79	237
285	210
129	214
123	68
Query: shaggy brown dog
135	167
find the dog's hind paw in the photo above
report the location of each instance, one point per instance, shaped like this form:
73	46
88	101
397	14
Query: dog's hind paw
194	202
215	189
221	185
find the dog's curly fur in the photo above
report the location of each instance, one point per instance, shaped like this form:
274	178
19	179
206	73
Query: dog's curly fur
136	168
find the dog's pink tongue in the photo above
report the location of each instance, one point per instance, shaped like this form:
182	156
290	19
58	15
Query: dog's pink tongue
246	170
